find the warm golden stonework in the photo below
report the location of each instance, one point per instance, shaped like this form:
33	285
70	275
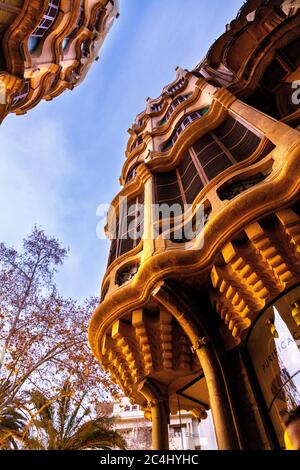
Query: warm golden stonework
212	321
48	46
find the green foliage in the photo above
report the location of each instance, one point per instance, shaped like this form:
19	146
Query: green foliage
62	423
12	425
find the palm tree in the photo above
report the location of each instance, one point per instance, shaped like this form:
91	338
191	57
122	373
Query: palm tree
62	424
12	420
12	425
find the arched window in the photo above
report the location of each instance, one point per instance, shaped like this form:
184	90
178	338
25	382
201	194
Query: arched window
156	107
229	144
190	180
177	86
131	175
85	48
179	186
138	141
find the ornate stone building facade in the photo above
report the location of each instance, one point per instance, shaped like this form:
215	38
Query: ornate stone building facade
185	432
48	46
210	315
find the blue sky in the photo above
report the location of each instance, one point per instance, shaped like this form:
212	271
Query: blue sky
62	159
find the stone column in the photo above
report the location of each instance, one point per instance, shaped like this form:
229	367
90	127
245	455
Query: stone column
226	426
158	402
147	179
222	412
160	434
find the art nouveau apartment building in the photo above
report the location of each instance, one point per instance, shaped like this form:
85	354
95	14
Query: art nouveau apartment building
203	313
48	46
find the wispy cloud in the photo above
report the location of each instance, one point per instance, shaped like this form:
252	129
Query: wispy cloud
34	168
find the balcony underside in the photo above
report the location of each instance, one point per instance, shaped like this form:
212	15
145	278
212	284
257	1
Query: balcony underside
149	344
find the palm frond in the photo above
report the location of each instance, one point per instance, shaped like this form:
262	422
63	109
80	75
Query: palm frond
34	443
74	420
12	425
64	407
41	402
96	434
57	423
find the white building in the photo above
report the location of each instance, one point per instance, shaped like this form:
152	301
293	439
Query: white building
185	431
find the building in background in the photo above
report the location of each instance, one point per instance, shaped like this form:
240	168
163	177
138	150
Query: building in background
202	305
185	431
48	46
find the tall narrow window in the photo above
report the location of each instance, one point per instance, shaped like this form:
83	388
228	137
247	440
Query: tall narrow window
238	139
180	186
211	157
136	143
129	227
180	99
168	189
79	23
190	179
177	86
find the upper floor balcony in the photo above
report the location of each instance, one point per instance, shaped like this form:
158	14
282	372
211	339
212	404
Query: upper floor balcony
259	72
49	46
151	130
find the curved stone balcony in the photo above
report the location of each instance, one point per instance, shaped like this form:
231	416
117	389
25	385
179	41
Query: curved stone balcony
231	195
149	345
50	46
150	123
260	72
